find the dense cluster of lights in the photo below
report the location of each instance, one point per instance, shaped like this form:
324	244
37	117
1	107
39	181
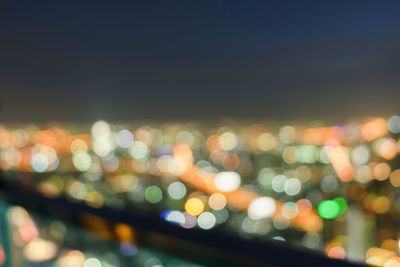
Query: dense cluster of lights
260	180
49	242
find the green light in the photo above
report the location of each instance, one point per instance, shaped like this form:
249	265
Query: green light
342	204
153	194
328	209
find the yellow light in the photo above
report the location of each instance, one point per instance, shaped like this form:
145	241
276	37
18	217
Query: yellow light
40	250
266	142
228	141
287	134
290	155
381	204
71	259
78	145
390	244
81	161
378	256
395	178
194	206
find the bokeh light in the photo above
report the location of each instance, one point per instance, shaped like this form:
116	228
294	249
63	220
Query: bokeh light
328	209
194	206
261	208
227	181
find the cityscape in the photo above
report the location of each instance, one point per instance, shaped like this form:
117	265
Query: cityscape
327	188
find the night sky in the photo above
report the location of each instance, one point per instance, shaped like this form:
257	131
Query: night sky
117	60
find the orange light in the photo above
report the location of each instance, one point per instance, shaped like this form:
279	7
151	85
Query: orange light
374	129
336	252
304	205
339	157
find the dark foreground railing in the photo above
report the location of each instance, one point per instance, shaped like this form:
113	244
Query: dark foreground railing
214	248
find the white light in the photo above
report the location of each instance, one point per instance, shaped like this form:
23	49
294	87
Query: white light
278	183
363	174
329	184
176	166
81	161
186	137
279	238
394	124
176	217
92	262
124	138
100	129
153	262
54	164
102	146
228	141
206	220
39	162
77	190
260	208
250	226
139	150
360	155
289	210
227	181
292	186
287	134
111	164
177	190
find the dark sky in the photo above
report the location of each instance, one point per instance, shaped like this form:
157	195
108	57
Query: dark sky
127	60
